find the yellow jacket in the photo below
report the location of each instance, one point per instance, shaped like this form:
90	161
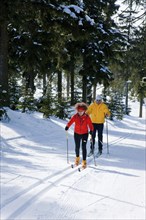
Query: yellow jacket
98	112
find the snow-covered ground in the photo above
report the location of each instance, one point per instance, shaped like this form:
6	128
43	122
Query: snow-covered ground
37	183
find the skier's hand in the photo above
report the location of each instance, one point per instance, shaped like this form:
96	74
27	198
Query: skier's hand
90	132
66	128
106	115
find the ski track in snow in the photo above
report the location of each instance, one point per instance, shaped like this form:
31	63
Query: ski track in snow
41	187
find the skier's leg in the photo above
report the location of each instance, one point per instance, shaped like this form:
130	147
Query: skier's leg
100	137
84	149
93	138
77	139
84	143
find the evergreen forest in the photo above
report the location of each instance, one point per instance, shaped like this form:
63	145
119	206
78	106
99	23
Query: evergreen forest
55	53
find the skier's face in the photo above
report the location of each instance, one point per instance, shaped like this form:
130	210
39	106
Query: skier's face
98	101
81	113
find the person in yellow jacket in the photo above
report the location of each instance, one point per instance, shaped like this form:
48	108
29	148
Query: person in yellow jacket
97	112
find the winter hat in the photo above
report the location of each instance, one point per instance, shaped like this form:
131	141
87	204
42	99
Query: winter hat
98	98
81	106
80	109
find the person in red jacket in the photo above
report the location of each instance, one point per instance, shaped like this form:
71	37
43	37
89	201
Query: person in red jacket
83	126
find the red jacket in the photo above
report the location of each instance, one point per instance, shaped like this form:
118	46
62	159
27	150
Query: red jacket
82	123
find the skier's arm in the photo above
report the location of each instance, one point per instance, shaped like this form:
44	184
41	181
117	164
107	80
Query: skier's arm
71	121
107	112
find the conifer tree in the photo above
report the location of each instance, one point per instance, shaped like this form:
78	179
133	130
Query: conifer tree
46	104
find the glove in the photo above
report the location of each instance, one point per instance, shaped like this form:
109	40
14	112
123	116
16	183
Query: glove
90	132
66	128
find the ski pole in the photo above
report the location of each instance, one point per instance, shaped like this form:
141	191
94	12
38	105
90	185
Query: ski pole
107	136
91	142
67	146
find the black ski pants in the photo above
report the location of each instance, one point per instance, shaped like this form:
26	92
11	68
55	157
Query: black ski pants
78	139
99	129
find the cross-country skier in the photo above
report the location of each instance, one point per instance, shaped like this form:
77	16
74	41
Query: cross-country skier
83	126
98	111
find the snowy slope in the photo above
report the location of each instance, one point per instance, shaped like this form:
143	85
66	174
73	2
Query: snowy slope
38	184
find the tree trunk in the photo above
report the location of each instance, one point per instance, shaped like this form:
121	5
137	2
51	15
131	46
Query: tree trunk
3	57
140	109
44	83
29	77
72	69
68	84
59	86
32	77
72	88
94	91
84	95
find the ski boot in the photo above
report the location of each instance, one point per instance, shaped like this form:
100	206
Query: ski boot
84	164
77	161
99	153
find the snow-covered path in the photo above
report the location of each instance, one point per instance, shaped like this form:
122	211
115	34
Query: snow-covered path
38	184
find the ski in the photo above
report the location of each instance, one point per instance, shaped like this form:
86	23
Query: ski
74	165
90	154
93	154
98	155
81	168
